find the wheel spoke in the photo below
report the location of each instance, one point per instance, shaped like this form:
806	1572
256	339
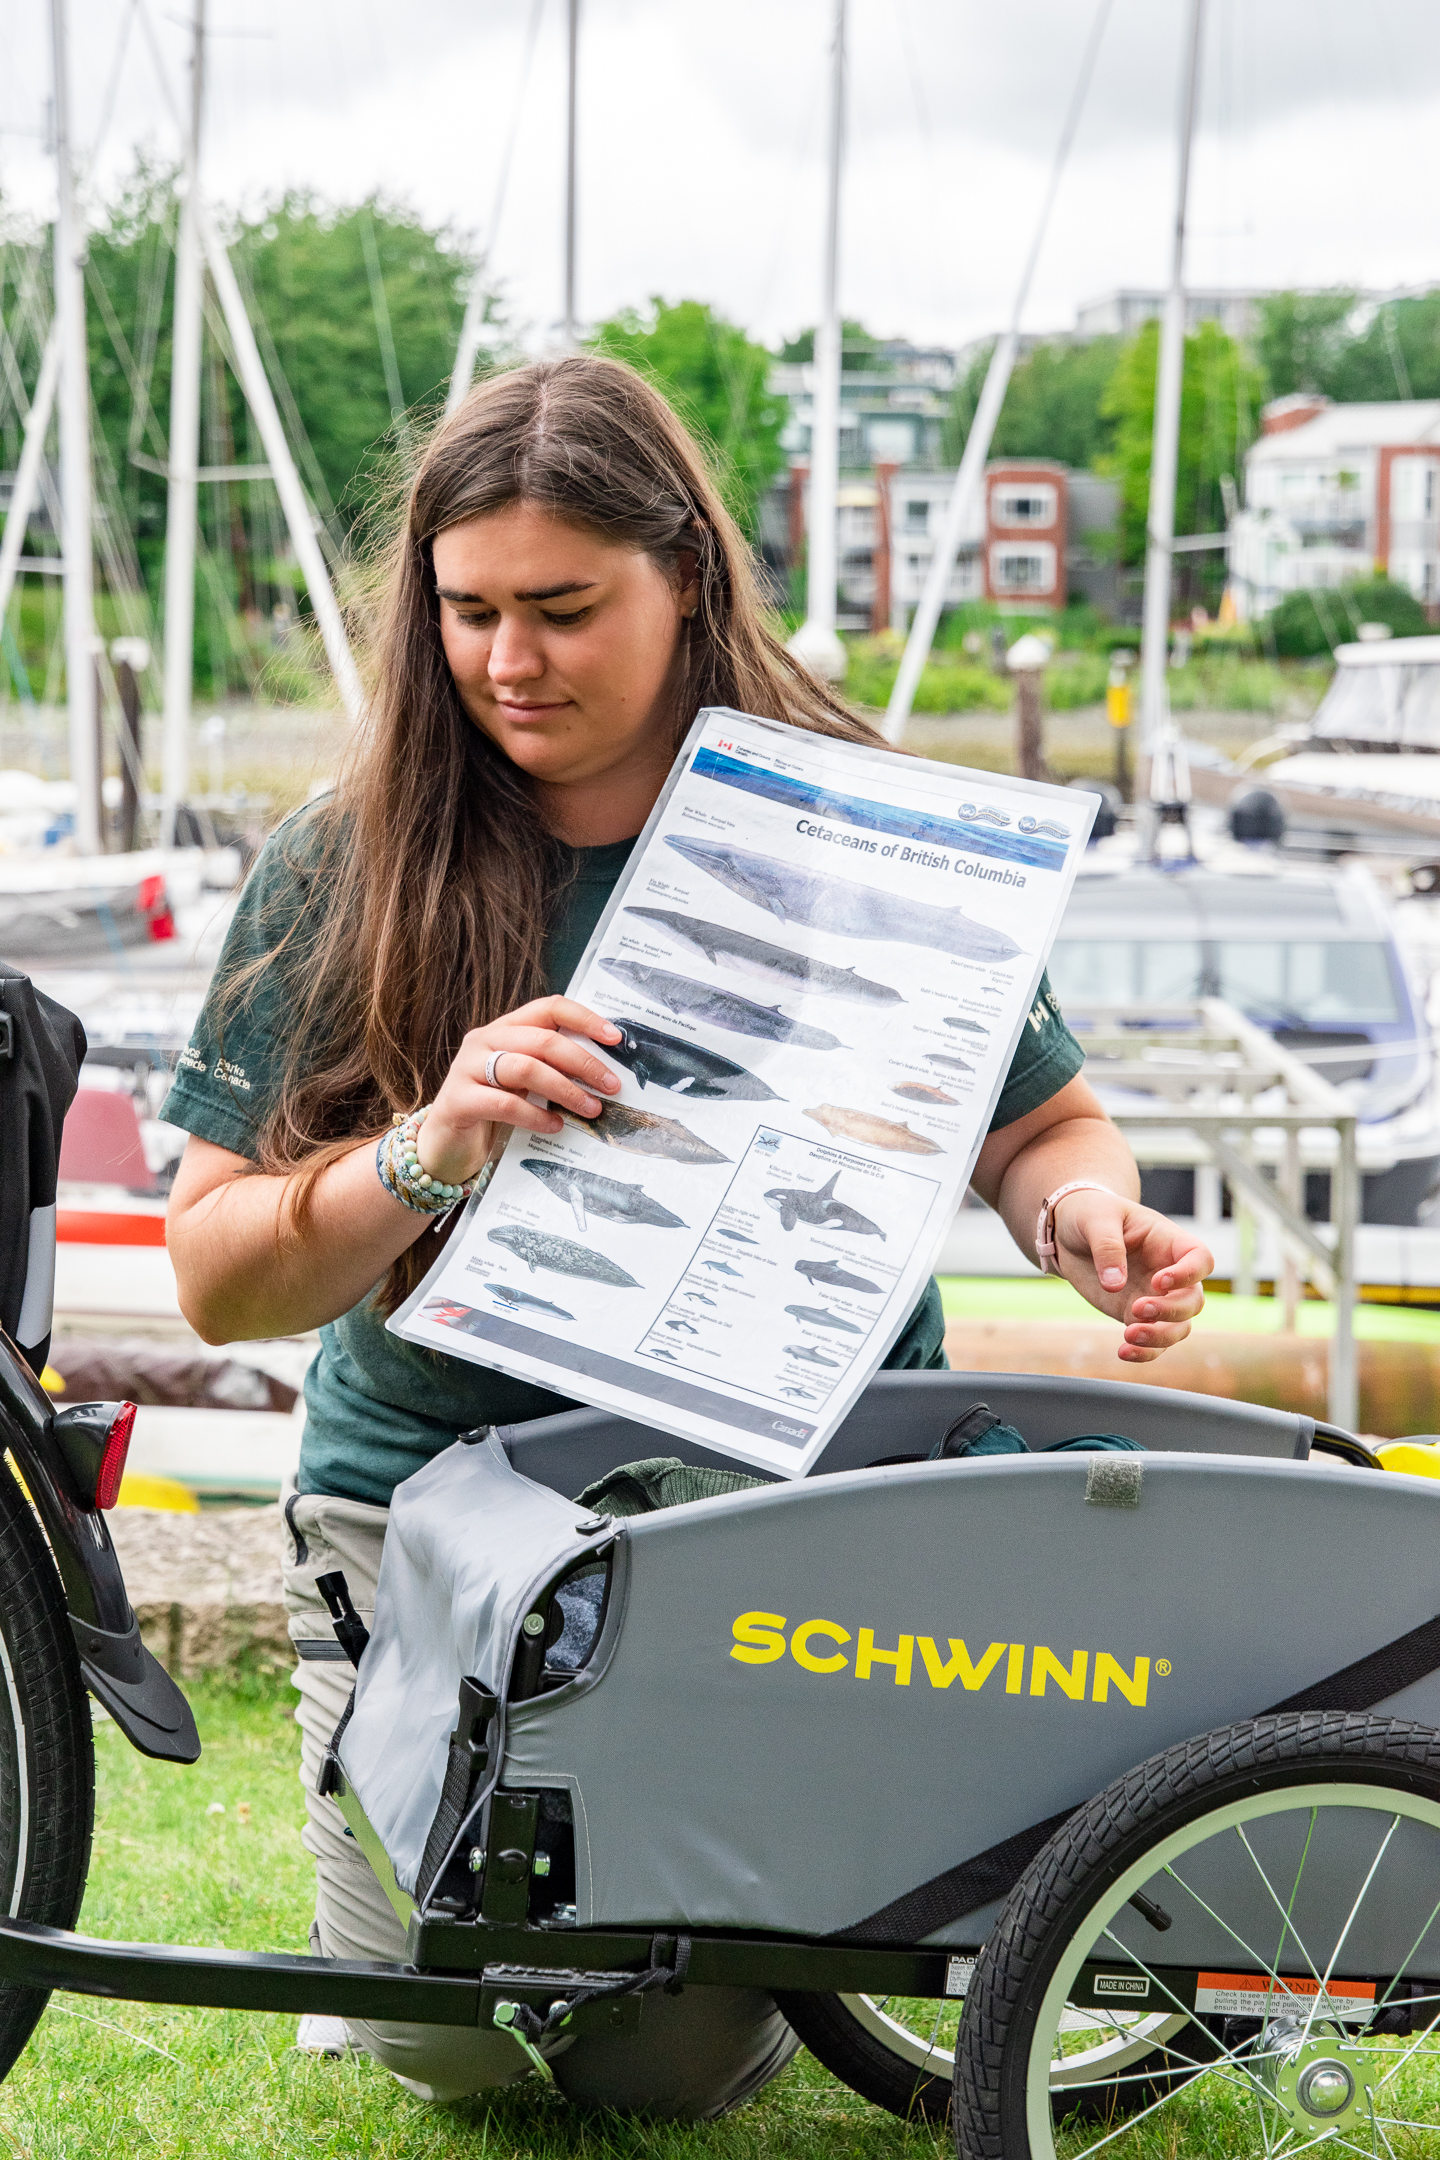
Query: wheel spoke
1349	1923
1231	2055
1141	2115
1410	1953
1286	1912
1260	1959
1413	2049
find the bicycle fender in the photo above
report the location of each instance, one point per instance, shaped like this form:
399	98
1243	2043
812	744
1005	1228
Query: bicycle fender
119	1671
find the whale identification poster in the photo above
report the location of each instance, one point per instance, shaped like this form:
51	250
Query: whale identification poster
822	956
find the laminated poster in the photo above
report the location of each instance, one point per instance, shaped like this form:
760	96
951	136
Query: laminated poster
822	956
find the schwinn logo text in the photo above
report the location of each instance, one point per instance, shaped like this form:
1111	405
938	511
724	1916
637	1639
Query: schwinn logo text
1028	1669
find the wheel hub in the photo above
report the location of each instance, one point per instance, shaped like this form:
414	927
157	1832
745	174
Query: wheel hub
1320	2082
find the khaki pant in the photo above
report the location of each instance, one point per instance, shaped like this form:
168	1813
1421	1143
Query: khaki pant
693	2056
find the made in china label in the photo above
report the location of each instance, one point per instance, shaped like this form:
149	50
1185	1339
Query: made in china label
1257	1995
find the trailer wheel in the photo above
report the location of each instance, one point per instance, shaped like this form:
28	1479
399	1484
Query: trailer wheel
899	2052
1290	1856
47	1756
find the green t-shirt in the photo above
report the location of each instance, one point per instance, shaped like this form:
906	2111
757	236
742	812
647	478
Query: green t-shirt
378	1408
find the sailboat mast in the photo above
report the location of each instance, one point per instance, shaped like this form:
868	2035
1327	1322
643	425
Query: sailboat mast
1169	769
573	51
182	504
75	501
816	643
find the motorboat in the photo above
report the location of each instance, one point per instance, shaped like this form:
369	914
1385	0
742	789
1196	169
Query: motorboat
1373	742
1311	954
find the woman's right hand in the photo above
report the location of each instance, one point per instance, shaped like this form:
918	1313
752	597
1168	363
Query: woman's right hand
532	1057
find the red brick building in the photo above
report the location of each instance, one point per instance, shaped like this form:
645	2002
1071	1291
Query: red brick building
1023	557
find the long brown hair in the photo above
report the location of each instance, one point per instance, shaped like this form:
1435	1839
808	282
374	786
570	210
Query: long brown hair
431	874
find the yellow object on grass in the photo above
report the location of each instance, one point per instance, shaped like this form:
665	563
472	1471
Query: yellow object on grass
138	1490
1417	1458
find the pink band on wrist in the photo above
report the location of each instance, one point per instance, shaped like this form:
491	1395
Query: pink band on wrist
1045	1228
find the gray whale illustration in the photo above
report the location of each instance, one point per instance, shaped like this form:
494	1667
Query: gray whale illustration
774	964
831	903
686	1068
817	1316
831	1276
820	1209
809	1357
642	1132
516	1298
722	1008
538	1249
610	1197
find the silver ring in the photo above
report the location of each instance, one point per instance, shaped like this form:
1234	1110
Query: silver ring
490	1064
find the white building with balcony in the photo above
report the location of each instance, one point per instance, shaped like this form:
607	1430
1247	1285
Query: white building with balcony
1334	493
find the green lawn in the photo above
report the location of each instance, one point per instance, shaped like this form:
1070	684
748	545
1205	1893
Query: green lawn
120	2081
1031	1297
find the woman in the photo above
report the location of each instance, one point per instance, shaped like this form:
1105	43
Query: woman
565	594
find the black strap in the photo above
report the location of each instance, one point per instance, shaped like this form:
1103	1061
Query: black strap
1372	1679
993	1874
964	1889
328	1782
658	1974
468	1757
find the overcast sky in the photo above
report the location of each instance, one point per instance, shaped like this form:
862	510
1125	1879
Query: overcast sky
702	141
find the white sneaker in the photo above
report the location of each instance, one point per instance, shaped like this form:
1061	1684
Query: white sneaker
323	2036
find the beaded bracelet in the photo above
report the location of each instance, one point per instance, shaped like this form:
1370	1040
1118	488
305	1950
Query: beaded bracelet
398	1167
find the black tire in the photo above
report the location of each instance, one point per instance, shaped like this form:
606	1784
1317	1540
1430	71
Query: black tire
47	1754
838	2035
847	2034
1052	1907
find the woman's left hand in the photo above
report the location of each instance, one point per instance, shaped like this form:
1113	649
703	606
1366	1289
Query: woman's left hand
1134	1265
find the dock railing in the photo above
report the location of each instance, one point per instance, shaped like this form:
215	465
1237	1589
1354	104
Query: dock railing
1198	1083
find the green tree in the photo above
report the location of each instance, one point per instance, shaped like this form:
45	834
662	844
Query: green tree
324	284
1308	623
1396	355
861	352
718	381
1300	339
1053	404
1219	399
304	268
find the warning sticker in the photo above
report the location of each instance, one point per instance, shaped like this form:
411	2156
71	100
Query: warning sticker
1257	1995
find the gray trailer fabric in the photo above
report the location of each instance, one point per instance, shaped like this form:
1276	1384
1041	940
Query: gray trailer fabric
934	1657
468	1545
906	1412
1022	1631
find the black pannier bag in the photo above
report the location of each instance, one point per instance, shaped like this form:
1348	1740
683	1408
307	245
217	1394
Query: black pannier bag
41	1050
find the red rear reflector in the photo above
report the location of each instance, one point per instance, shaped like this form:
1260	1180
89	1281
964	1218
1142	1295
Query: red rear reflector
112	1457
150	892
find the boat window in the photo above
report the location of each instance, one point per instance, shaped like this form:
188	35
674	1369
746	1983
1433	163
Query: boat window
1422	709
1361	705
1309	982
1113	971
